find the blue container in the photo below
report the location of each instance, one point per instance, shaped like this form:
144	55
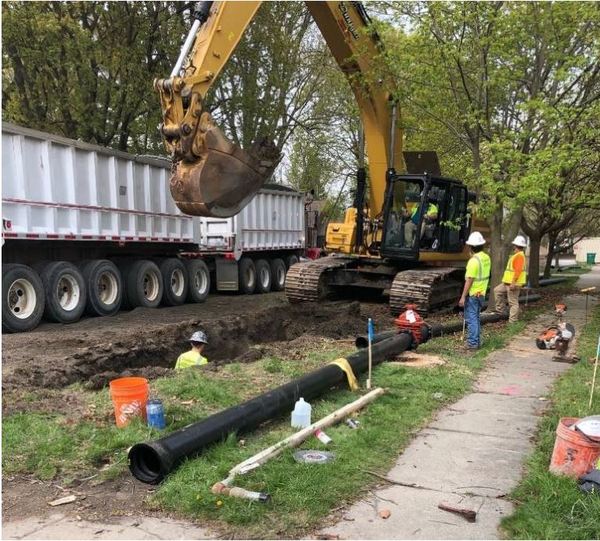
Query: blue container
155	413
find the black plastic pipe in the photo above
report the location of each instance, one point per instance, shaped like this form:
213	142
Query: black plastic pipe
363	341
552	281
150	462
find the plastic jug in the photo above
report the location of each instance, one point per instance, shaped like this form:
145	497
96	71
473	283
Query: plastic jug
301	414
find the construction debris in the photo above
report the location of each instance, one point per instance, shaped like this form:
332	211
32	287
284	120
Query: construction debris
313	457
558	337
418	360
63	501
467	514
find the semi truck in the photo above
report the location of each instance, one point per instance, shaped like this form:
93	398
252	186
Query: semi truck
88	229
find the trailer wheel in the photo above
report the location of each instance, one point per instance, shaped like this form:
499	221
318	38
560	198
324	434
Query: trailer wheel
22	298
65	292
144	284
263	275
278	272
247	275
198	280
104	287
175	281
291	260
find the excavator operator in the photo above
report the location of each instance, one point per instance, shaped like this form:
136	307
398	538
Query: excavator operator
428	225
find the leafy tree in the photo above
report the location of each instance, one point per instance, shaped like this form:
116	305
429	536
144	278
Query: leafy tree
504	84
85	69
93	80
324	157
269	86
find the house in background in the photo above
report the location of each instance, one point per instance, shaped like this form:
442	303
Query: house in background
585	247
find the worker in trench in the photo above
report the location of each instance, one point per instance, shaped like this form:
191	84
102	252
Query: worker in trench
477	278
513	280
194	356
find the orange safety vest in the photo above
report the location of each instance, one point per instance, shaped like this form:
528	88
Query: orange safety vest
509	273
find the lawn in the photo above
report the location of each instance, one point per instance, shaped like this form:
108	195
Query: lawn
550	506
86	442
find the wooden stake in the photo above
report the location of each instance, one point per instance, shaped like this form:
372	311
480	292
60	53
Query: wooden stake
587	292
296	439
369	333
594	376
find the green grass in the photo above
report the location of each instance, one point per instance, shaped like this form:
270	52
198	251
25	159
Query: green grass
550	506
302	495
581	268
48	445
60	446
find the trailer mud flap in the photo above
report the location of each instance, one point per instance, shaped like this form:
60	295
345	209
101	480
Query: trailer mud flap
227	275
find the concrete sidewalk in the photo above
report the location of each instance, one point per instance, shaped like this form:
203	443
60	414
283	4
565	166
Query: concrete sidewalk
472	454
60	526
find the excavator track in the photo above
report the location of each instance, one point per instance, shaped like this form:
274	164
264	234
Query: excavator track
429	289
306	281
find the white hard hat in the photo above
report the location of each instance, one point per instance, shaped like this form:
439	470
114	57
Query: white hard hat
520	241
199	336
476	239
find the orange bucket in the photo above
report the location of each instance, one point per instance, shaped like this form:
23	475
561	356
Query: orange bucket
574	454
129	397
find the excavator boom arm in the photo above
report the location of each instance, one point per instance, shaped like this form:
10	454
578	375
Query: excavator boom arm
346	29
213	177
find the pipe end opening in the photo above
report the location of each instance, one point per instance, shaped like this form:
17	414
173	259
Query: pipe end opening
145	464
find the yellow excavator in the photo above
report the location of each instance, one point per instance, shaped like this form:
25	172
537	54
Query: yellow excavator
406	239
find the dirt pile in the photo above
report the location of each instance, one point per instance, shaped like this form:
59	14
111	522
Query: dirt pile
152	350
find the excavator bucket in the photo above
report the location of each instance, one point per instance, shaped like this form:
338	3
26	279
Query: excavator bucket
225	178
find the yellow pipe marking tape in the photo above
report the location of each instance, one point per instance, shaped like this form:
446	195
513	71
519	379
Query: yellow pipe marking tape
344	365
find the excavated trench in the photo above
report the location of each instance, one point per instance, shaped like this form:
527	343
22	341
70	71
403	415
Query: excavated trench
151	351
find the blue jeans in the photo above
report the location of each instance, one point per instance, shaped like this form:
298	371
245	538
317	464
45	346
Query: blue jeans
473	307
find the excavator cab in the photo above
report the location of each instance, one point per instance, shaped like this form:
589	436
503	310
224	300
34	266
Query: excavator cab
424	213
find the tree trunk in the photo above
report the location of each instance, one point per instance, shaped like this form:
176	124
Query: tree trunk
552	237
496	251
534	261
548	265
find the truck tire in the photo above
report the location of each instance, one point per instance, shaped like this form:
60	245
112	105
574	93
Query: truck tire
278	272
23	298
264	278
65	290
143	284
247	275
175	281
104	287
291	260
198	280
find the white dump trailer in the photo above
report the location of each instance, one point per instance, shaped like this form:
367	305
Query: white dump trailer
91	229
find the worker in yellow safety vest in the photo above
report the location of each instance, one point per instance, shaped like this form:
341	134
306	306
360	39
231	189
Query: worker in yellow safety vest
477	278
193	357
431	215
513	279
